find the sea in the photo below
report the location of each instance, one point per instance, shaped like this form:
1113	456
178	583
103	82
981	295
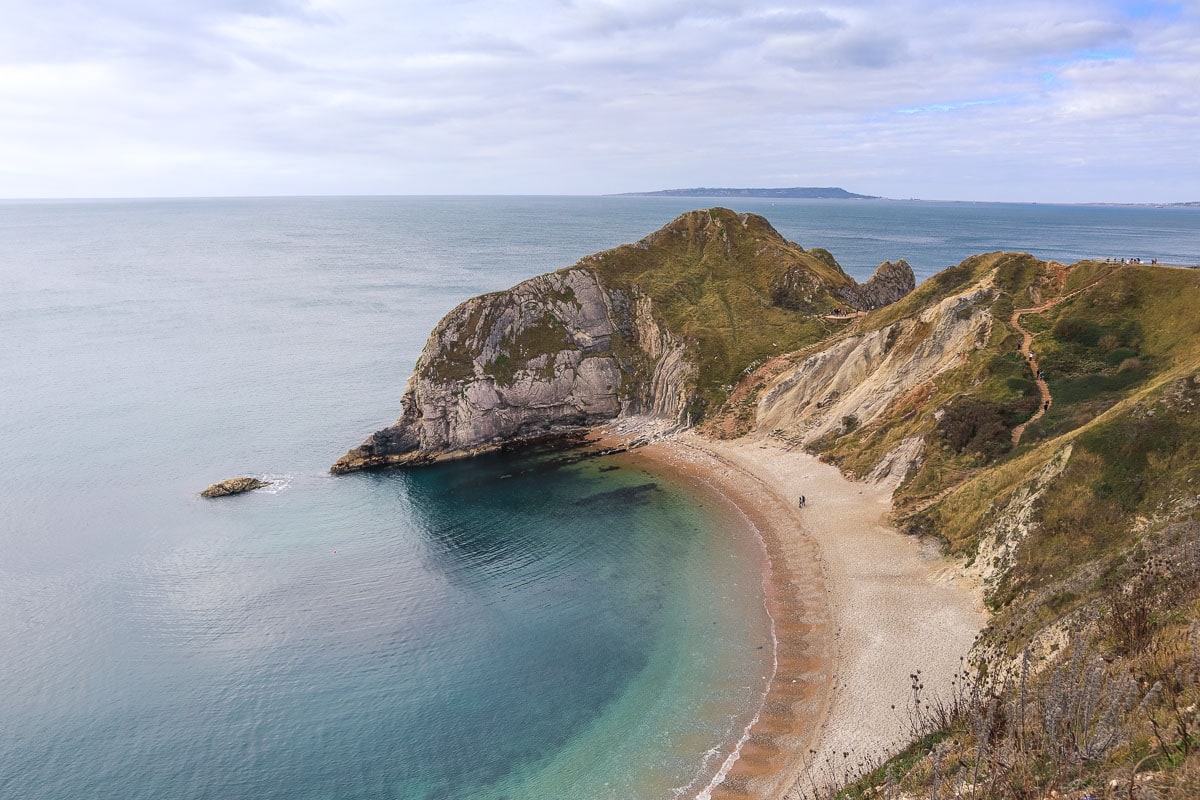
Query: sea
507	627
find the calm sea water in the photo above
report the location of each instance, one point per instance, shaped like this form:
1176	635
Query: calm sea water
499	628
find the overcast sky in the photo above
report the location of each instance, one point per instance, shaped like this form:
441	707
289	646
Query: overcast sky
1040	100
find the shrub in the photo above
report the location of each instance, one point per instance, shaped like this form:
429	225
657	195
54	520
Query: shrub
1075	329
1130	364
975	425
1117	355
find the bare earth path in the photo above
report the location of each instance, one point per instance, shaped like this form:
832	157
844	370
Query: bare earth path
1027	351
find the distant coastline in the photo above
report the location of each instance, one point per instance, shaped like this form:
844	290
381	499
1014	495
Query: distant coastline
1190	204
805	192
838	193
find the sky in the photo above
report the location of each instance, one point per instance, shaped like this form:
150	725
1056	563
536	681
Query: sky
1021	100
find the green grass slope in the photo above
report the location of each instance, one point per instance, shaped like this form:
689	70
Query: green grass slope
710	275
1087	679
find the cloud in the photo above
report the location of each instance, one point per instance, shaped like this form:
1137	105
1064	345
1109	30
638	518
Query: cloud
344	96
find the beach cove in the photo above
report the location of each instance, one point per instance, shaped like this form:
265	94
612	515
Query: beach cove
339	637
857	608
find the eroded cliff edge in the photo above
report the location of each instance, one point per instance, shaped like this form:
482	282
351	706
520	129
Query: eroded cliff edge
554	353
660	328
1041	423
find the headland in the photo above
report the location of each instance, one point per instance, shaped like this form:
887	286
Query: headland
1034	421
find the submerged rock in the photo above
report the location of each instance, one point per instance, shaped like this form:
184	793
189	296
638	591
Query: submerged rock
233	486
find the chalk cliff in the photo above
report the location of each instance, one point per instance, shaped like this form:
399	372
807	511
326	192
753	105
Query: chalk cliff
556	352
660	328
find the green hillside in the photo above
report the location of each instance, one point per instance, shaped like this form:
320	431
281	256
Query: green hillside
711	275
1087	533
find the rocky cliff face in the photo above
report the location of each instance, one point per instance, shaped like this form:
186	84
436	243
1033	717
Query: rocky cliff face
862	376
645	329
556	352
892	281
802	289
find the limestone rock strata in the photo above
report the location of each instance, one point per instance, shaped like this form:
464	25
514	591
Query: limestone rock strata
554	353
861	376
649	329
891	281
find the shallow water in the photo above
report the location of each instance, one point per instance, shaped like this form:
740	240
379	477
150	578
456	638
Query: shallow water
560	632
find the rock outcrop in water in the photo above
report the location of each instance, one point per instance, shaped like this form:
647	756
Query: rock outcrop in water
660	328
233	486
800	289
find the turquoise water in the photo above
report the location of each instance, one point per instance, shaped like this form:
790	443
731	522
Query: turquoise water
563	631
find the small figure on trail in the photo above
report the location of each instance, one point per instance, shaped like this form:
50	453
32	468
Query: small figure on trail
802	501
1045	406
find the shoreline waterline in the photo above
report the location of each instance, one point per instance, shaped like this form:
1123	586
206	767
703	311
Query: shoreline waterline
768	753
855	607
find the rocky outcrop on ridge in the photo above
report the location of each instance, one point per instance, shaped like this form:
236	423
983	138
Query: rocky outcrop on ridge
655	329
233	486
801	289
891	281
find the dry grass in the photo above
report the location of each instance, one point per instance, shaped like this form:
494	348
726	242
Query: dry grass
1084	726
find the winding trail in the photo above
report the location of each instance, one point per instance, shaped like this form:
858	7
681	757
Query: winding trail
1045	398
1026	350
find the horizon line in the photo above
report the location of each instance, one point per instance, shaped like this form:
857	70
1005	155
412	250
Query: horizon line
624	195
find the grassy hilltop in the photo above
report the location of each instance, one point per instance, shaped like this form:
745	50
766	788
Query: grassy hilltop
711	275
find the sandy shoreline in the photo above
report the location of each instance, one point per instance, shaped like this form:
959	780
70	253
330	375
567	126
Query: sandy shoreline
857	607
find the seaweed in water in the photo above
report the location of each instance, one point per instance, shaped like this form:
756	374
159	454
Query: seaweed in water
626	494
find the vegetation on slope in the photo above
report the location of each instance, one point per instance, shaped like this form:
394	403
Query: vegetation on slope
1087	681
711	275
967	415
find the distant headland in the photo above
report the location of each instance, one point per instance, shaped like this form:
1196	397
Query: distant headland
807	192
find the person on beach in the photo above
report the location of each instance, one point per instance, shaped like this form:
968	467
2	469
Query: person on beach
802	501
